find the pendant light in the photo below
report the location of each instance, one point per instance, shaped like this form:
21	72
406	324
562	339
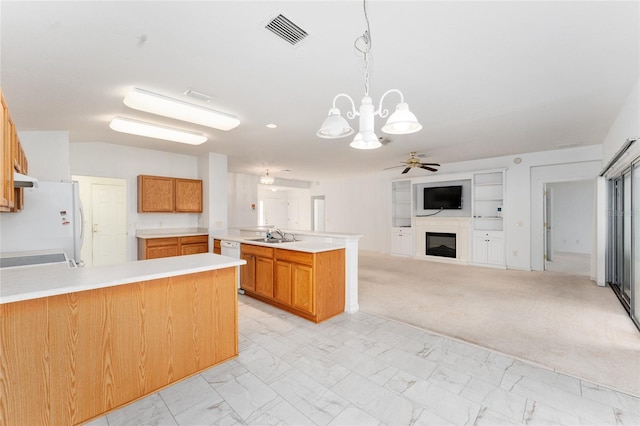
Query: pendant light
402	120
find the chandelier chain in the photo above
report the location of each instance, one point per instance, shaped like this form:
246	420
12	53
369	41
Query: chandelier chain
363	45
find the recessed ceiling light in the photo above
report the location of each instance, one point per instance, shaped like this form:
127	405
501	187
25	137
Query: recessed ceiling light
272	125
157	104
141	128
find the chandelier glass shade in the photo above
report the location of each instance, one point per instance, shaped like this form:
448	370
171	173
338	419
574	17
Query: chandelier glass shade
402	121
267	179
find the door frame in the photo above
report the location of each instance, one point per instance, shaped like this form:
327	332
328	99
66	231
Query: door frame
85	186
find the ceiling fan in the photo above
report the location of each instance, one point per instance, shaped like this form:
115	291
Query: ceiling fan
414	161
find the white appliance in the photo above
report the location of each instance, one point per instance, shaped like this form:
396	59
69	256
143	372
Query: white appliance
52	219
231	249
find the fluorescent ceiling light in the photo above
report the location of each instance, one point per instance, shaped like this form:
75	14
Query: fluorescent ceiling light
157	104
149	130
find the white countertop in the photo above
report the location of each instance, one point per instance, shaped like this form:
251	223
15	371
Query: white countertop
308	246
170	232
32	282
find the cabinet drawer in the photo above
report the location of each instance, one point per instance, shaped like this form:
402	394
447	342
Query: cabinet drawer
194	239
158	252
294	256
488	234
256	250
157	242
194	248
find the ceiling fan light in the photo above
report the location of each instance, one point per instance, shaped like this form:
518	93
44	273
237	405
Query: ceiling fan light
365	140
334	126
155	131
402	121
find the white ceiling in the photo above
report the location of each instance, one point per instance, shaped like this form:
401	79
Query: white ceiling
484	78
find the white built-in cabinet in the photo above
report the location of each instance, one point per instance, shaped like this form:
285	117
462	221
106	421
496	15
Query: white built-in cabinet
401	232
402	241
488	217
488	248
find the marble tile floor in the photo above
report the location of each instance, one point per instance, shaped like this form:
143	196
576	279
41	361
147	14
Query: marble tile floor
360	369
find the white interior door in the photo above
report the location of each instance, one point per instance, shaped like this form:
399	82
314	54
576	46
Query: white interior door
109	224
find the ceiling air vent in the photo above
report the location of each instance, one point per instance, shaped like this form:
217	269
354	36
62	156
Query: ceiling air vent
286	30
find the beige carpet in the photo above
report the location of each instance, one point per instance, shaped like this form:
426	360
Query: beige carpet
560	321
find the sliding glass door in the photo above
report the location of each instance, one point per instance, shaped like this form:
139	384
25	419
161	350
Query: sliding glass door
623	260
634	290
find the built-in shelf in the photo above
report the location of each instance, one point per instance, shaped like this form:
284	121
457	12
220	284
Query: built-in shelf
488	201
401	204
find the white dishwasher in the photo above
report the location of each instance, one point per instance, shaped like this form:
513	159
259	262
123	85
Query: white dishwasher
232	249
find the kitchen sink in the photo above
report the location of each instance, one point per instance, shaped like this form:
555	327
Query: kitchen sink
271	240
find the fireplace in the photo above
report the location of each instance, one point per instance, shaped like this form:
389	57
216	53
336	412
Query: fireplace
440	244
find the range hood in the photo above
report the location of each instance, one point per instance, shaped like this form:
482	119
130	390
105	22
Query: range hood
24	181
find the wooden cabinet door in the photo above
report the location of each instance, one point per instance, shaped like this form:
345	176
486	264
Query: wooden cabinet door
302	288
188	195
248	272
264	276
155	194
282	282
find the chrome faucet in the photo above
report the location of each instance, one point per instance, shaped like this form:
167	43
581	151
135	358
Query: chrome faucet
276	229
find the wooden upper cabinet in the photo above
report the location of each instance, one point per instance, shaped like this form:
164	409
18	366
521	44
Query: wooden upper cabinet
6	175
162	194
188	195
12	158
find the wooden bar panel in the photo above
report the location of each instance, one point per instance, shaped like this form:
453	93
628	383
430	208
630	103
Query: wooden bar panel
24	367
66	359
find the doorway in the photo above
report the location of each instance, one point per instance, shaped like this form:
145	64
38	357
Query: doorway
569	223
317	213
105	227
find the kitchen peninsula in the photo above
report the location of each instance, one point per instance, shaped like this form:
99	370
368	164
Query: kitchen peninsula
78	342
329	250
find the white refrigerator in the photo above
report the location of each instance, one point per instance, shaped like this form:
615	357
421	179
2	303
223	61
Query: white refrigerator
51	220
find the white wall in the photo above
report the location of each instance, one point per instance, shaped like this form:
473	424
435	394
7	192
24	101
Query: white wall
362	204
357	205
242	196
212	169
47	154
572	218
119	161
626	125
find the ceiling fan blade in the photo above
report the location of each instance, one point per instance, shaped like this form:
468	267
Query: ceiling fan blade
431	169
430	164
393	167
406	170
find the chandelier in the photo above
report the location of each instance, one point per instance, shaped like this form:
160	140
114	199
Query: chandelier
267	179
402	121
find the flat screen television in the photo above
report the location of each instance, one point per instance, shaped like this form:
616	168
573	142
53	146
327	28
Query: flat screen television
443	198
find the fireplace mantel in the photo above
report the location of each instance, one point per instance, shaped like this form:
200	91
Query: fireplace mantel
453	225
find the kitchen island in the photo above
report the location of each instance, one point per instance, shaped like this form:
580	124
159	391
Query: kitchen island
309	248
76	343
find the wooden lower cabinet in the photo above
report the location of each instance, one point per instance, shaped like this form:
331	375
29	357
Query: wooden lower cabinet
67	359
311	285
217	247
154	248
